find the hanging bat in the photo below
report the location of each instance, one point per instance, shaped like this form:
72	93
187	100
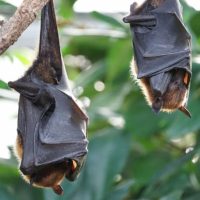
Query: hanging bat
162	49
51	142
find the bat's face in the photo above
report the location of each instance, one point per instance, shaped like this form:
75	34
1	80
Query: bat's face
167	93
175	95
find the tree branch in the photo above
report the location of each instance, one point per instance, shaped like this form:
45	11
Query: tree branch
11	30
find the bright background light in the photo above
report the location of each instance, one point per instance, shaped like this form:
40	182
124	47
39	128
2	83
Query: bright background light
115	5
108	5
103	5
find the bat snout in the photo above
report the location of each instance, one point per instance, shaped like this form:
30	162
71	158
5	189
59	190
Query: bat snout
157	105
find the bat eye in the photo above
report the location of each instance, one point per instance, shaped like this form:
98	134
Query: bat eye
157	105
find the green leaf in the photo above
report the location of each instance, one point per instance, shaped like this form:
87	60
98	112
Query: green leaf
108	19
11	184
94	47
183	125
194	24
7	3
3	85
175	195
121	191
90	75
140	119
118	61
66	8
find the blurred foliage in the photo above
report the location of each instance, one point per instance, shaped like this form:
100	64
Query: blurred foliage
133	154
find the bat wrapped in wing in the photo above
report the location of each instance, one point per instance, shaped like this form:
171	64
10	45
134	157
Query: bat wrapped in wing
51	142
162	49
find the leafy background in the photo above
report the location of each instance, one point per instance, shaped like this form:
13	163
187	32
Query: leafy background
133	154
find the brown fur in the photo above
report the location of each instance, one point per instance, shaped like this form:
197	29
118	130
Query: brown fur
135	9
50	176
44	72
173	98
156	3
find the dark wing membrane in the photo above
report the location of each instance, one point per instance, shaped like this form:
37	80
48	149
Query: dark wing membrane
162	45
62	134
52	126
32	114
49	46
65	124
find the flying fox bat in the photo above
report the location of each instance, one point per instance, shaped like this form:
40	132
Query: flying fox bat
162	49
51	142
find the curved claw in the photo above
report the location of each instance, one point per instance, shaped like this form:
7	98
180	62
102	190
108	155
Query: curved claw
185	111
58	189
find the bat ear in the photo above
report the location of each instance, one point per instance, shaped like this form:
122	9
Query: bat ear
186	79
49	46
133	7
74	167
184	110
157	105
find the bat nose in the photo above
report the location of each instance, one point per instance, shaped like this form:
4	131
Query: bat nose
157	105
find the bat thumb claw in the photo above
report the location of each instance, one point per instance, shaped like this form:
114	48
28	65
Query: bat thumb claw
185	111
11	84
126	19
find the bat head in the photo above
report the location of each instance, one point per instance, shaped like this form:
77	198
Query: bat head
170	91
165	91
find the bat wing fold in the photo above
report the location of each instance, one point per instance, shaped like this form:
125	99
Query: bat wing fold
162	46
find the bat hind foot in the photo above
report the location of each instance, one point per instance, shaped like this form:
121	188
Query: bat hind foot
58	189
